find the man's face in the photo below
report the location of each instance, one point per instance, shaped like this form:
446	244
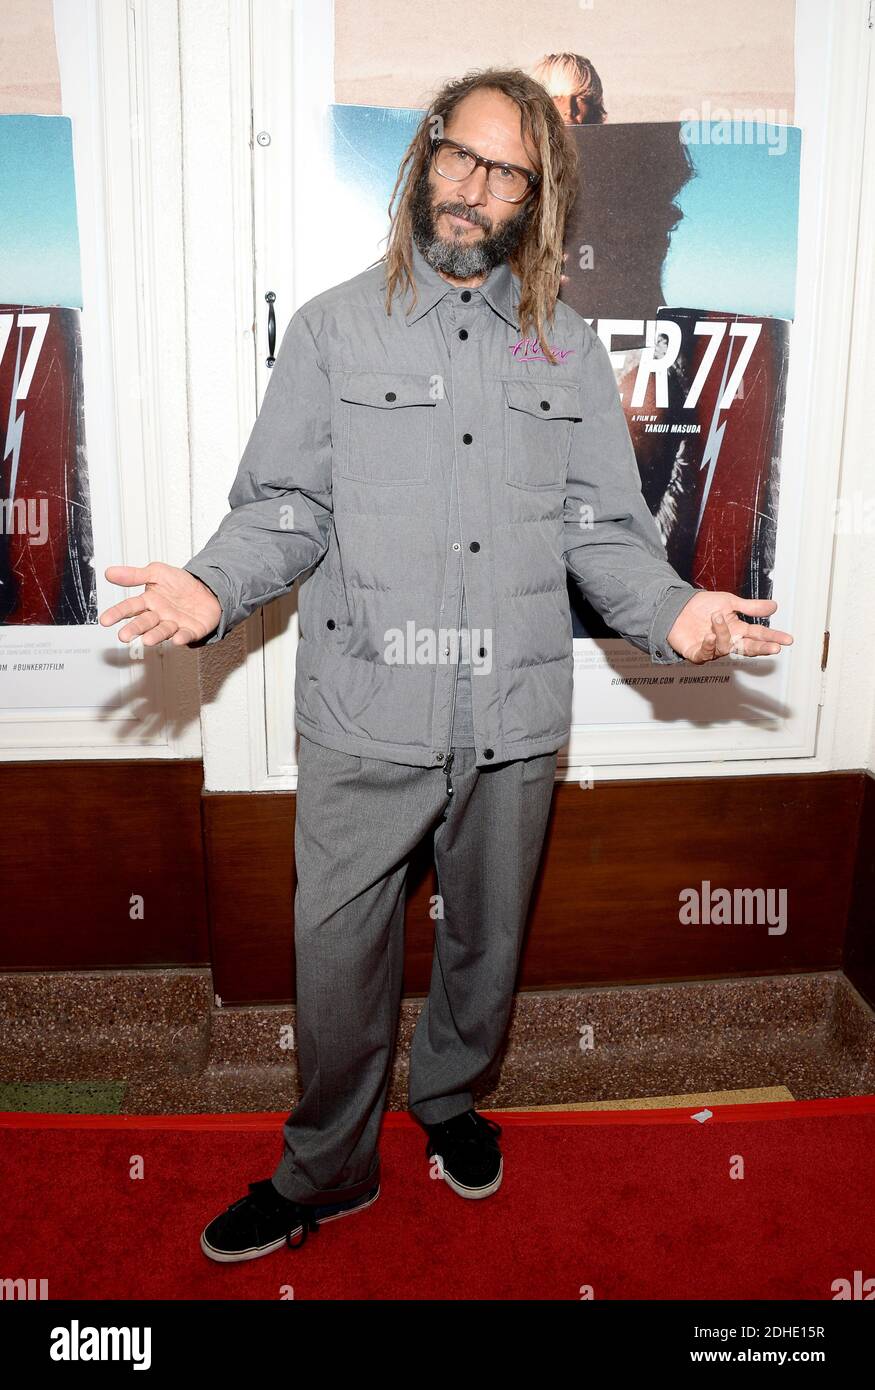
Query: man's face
460	227
574	108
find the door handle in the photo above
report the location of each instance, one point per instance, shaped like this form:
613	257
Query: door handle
271	328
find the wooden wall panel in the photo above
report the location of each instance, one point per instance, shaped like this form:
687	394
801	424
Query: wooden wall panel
859	962
82	837
78	839
249	844
620	854
605	908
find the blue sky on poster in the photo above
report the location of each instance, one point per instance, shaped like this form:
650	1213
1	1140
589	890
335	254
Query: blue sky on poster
39	237
735	248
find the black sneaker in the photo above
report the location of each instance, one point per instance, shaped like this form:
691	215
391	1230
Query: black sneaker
264	1220
470	1159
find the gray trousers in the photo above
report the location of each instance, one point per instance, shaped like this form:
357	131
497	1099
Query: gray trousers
357	822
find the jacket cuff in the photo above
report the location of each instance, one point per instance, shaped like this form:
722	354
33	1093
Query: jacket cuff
677	597
218	583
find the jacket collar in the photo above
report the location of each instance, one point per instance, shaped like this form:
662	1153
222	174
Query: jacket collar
500	289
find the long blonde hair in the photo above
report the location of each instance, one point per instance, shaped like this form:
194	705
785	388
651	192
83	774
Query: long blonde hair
538	259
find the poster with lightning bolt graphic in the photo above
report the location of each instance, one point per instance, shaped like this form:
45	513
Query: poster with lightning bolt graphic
681	252
46	551
707	437
59	499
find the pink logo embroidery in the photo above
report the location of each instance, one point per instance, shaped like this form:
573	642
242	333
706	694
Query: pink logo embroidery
529	350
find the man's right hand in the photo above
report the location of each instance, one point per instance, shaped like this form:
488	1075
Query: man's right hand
174	605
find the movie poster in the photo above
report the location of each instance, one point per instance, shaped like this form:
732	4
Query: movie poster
702	214
46	546
52	648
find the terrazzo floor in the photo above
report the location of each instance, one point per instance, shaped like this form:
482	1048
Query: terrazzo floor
156	1043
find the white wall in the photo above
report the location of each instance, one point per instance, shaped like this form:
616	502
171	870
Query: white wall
849	712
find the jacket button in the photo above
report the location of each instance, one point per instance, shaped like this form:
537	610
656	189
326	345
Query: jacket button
463	334
465	296
489	752
330	624
390	396
439	757
545	405
467	439
475	545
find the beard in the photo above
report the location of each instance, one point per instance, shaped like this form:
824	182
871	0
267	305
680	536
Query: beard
461	260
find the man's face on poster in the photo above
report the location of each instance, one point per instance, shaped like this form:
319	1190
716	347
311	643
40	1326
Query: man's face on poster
574	108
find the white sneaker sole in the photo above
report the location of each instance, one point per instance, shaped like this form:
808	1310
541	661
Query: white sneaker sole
474	1193
256	1251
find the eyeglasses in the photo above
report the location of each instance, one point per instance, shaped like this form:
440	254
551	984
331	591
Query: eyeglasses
506	181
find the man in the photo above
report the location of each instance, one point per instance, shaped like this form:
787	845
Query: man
461	451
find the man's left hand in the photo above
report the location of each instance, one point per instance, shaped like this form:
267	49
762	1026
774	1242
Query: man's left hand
708	626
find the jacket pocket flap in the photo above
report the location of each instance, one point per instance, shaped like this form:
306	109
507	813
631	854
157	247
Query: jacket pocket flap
549	400
388	389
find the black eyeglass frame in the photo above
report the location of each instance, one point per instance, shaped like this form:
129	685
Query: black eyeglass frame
488	164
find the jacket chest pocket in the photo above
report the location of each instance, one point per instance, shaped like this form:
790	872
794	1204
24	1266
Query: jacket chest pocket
386	426
539	419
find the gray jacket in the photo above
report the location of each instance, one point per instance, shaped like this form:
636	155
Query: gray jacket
396	458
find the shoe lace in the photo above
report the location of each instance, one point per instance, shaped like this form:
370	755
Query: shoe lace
308	1223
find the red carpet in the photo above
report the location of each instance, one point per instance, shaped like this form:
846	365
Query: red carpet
637	1204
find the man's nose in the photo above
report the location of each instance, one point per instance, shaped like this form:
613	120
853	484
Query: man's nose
474	187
